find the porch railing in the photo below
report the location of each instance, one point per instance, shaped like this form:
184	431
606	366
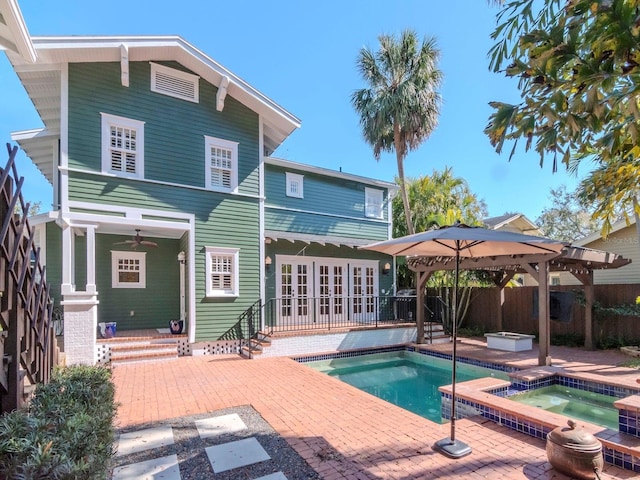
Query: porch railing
246	328
326	313
27	342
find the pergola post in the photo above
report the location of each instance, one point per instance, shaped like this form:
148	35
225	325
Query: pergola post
586	278
421	281
544	354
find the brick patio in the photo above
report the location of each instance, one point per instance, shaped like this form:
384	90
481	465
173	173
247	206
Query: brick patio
342	432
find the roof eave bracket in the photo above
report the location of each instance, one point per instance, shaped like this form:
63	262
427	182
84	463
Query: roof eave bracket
222	93
124	65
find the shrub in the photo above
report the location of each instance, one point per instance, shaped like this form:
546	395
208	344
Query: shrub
67	430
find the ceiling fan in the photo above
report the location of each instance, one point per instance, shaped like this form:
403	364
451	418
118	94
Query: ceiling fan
138	241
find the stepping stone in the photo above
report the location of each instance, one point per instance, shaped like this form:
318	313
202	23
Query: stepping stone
214	426
165	468
141	440
273	476
236	454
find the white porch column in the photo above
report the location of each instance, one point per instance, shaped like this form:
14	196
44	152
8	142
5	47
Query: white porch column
68	262
181	261
91	259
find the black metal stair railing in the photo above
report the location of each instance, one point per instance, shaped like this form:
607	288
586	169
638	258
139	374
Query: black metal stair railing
246	329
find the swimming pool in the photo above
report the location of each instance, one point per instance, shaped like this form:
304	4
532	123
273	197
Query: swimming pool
406	379
577	404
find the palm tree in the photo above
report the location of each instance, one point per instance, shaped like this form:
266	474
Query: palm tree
400	108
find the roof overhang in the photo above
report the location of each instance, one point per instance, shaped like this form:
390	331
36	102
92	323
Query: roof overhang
14	35
274	236
42	78
40	145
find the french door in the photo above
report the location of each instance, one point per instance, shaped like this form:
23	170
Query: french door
325	290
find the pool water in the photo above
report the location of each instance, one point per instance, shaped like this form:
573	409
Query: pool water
571	402
406	379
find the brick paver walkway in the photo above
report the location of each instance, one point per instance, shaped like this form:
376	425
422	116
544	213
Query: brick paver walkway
342	432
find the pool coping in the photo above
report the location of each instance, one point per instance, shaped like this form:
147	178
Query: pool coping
486	397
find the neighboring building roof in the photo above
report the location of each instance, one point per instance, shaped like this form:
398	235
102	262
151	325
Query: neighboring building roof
514	222
42	81
597	235
330	173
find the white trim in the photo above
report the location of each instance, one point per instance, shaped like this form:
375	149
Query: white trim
372	194
324	214
211	142
261	237
188	78
235	271
108	120
140	257
20	34
64	136
297	180
158	182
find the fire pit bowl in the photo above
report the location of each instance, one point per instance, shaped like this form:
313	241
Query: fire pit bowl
575	452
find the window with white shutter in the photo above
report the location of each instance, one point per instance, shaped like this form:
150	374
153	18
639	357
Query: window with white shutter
295	185
122	146
222	272
221	163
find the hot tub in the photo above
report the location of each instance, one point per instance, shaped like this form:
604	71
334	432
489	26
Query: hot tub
509	341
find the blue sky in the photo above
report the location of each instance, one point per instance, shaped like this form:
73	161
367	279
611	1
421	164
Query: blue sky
302	55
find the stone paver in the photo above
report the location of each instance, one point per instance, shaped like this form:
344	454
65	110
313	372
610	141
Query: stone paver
342	432
165	468
211	427
141	440
240	453
274	476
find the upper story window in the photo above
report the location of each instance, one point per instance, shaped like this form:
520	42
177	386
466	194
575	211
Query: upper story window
373	203
295	185
122	146
128	269
221	164
175	83
222	265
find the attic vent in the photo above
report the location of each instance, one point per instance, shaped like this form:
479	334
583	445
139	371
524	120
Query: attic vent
175	83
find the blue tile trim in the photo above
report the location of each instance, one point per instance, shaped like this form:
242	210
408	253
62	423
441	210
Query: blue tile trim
346	354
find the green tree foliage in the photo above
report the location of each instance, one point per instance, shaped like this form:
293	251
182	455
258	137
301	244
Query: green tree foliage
436	200
567	219
577	65
400	106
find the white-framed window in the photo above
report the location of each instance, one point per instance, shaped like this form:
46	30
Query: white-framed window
222	272
221	163
128	269
373	203
174	83
122	146
295	186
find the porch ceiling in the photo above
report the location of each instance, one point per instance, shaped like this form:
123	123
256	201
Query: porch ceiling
308	238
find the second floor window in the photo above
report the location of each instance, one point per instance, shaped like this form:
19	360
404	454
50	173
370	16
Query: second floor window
295	185
373	203
221	164
122	146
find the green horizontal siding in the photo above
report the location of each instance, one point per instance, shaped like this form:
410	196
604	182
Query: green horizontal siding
174	129
309	223
54	260
220	220
322	194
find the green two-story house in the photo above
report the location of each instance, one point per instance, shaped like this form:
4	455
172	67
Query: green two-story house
166	203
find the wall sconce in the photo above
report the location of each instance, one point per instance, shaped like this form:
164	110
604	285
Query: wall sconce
386	268
267	262
182	258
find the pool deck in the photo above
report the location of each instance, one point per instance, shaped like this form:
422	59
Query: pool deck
344	433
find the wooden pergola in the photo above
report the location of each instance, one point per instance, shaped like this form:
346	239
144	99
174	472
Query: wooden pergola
578	261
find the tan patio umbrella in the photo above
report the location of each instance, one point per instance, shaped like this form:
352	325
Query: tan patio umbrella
457	241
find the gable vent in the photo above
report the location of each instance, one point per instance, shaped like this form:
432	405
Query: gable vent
174	83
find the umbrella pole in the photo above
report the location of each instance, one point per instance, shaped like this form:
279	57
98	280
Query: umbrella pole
450	446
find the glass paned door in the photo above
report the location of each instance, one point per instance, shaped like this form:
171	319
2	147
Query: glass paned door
364	292
330	292
294	286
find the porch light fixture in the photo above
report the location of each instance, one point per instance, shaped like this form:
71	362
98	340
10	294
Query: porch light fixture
267	262
181	258
386	268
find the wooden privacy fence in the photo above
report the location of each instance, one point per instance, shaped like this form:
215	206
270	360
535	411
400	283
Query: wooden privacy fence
519	311
27	342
